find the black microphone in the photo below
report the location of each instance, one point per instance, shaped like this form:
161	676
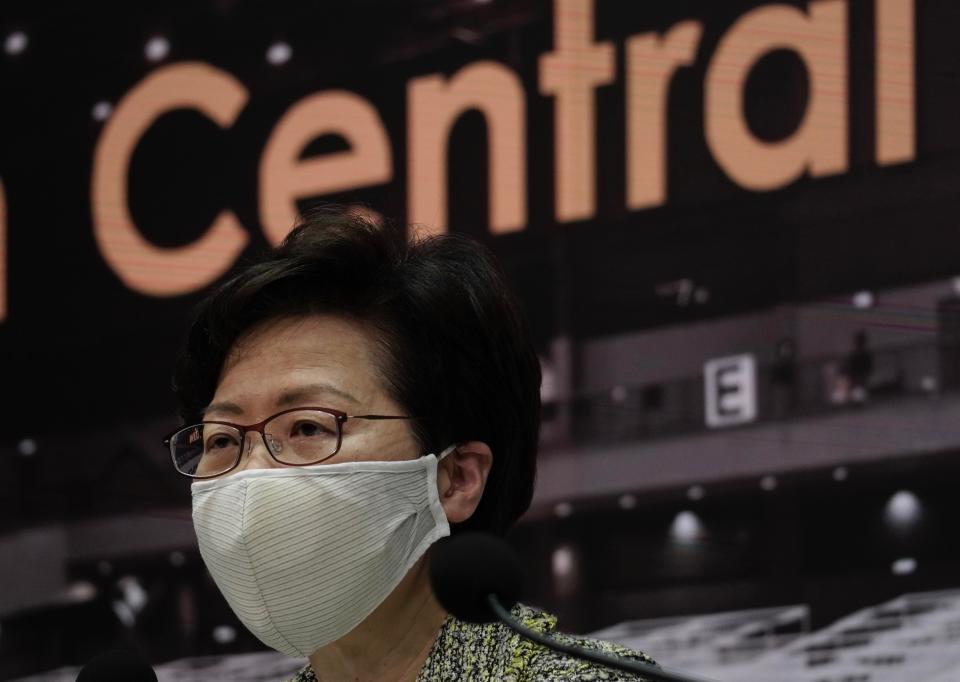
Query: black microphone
478	578
117	666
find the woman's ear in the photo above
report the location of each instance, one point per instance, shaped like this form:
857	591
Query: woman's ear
461	478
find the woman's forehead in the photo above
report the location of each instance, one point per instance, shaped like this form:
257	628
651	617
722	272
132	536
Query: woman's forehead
324	337
304	352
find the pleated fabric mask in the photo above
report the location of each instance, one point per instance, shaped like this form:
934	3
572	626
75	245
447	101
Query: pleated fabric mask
304	555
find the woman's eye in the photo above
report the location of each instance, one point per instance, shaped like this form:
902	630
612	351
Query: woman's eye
219	441
309	429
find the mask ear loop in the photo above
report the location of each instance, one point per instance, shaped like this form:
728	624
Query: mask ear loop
446	451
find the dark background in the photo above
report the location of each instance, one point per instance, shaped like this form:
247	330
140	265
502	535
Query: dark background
70	315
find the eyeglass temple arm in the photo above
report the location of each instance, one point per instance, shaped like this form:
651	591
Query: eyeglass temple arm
377	416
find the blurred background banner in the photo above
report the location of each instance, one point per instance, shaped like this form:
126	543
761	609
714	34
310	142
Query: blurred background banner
733	227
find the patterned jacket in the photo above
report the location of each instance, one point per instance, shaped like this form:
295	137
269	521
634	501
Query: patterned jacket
465	652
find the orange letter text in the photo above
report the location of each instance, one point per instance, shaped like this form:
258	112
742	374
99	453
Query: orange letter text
142	266
819	145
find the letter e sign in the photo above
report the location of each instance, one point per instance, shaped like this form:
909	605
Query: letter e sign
730	386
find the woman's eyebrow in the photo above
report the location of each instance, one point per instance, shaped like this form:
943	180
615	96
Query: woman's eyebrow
296	395
287	398
226	406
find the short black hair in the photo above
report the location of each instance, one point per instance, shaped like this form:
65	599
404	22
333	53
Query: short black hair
457	352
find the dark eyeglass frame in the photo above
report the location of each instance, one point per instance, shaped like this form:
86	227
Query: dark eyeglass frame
339	416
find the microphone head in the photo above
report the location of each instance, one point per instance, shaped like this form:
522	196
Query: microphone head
117	666
467	567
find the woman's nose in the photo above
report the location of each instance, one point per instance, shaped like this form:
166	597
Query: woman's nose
255	454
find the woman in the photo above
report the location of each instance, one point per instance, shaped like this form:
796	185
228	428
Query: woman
350	399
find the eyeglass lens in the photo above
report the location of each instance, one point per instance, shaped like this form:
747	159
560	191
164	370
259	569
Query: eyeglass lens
298	438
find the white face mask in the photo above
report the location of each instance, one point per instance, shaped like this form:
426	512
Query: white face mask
304	555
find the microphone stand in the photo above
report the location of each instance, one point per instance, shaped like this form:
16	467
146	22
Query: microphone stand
650	672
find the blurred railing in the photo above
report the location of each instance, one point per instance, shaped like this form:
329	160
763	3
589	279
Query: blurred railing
819	386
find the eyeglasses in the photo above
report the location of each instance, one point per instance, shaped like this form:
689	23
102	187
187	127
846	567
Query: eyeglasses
298	437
